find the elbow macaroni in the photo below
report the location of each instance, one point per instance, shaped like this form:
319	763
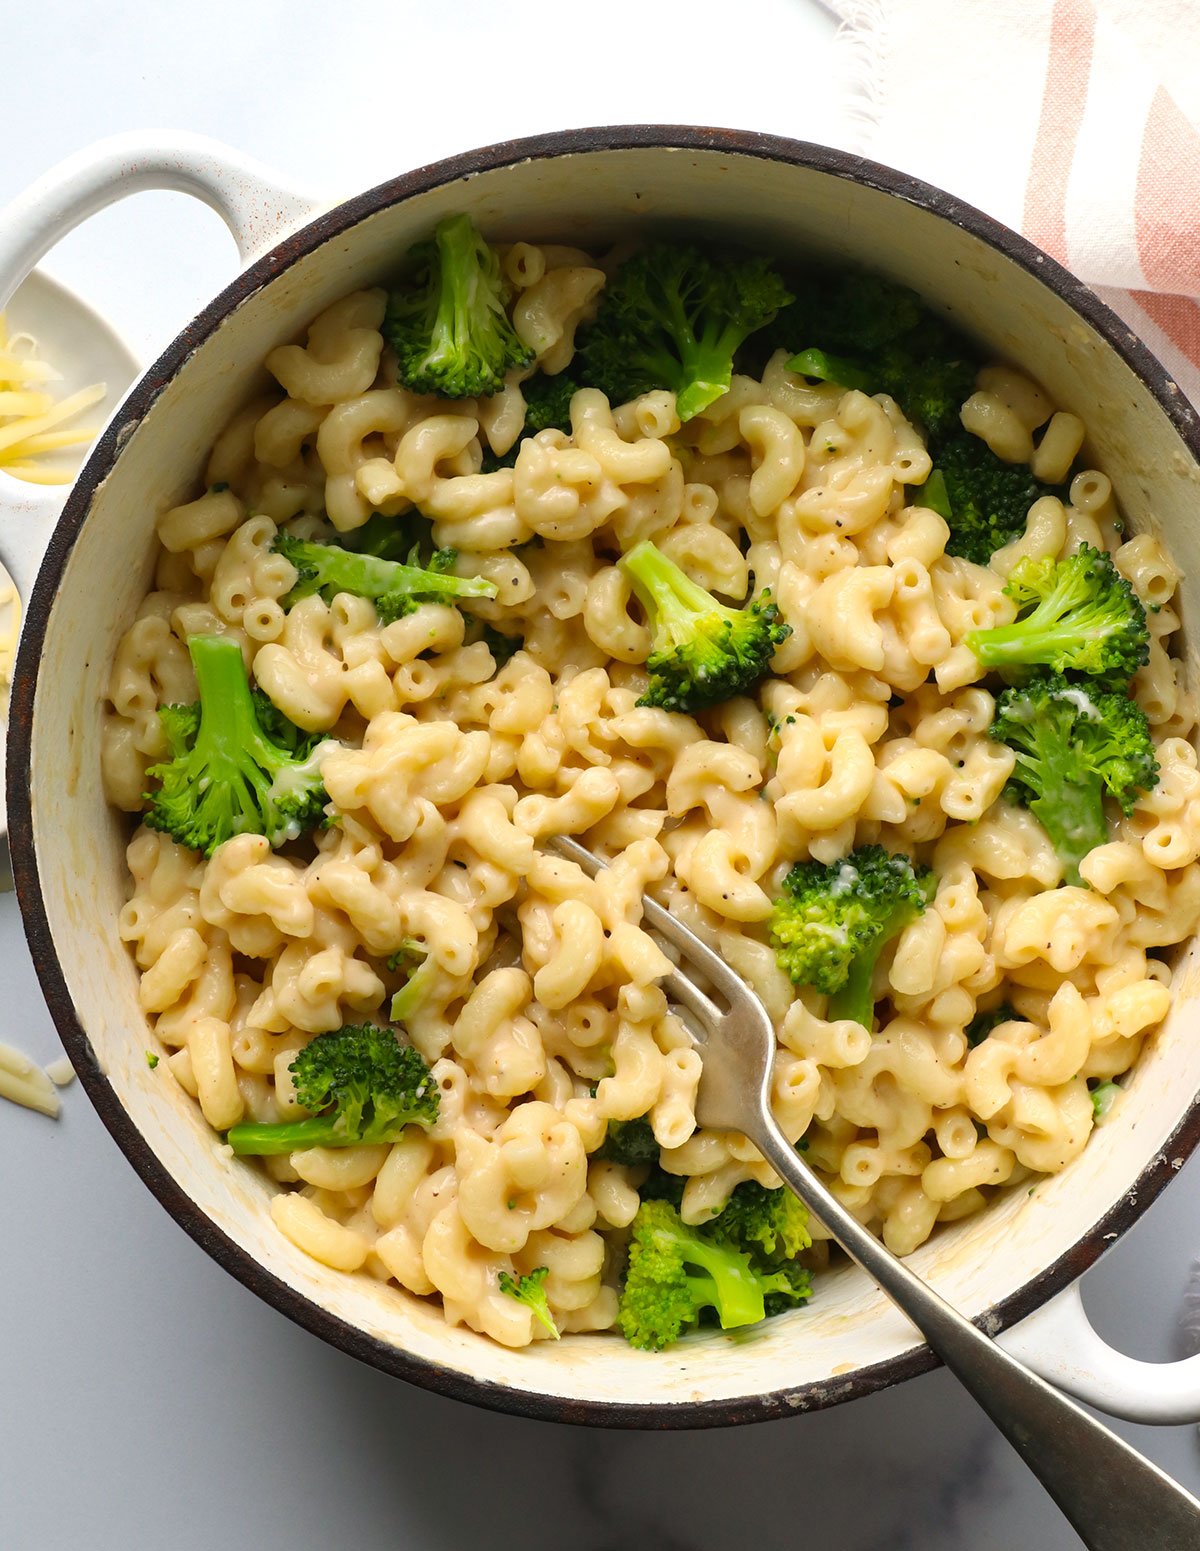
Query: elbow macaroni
542	1017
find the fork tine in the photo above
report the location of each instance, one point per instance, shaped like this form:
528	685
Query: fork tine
693	948
678	988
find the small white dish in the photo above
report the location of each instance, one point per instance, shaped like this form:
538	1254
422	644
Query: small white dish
80	345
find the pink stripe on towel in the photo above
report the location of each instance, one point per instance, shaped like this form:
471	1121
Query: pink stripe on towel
1167	212
1072	37
1177	316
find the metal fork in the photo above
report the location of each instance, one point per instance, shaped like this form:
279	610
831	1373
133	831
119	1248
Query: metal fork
1115	1498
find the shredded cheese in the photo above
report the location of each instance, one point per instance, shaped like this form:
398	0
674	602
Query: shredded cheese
32	420
23	1081
60	1072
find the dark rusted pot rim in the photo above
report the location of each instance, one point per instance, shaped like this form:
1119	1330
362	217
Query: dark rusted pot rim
328	227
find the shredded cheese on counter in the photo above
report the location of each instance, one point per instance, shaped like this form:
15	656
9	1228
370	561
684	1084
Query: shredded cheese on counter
23	1081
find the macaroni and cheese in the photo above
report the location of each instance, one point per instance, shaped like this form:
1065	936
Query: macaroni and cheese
542	1018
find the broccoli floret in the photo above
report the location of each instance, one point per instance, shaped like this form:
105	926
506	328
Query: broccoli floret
361	1085
630	1142
151	1059
930	391
786	1286
394	587
1073	745
832	922
1075	614
501	645
982	1024
180	723
741	1264
987	500
701	652
771	1224
226	775
448	325
548	402
846	312
531	1290
864	332
673	317
675	1273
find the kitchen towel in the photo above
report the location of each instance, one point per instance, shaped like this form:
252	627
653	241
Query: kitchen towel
1075	121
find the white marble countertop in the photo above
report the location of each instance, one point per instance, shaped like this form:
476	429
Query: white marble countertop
146	1399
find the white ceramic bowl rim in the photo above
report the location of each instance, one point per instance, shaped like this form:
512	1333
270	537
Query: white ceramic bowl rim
329	226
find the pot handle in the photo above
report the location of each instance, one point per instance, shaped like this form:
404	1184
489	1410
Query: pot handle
249	198
255	205
1059	1343
257	208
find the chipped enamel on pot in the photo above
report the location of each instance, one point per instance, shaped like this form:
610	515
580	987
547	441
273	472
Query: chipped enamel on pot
68	847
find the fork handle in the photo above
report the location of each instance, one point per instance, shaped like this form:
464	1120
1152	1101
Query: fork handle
1115	1498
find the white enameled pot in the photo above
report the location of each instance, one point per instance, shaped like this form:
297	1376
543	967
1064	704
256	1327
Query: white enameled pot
1020	1259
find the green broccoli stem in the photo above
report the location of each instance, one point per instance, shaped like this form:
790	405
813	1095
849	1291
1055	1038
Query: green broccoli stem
367	576
832	368
1071	811
266	1139
1011	646
729	1287
458	247
709	366
665	591
408	999
706	365
1061	621
229	726
854	999
335	570
221	679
